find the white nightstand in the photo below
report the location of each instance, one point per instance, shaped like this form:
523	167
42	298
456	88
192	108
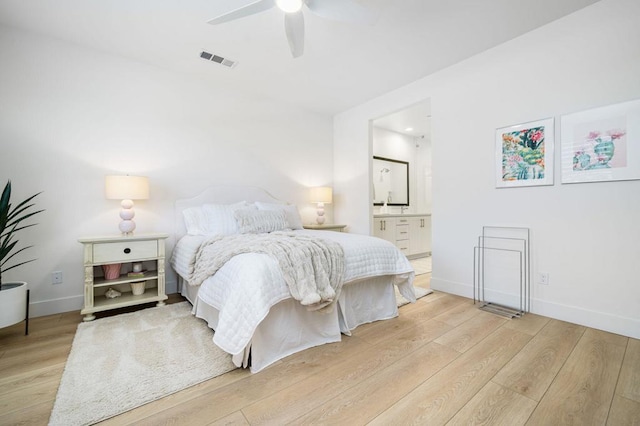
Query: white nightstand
147	249
326	227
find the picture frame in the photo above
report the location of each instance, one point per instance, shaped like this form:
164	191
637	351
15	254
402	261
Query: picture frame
525	153
601	144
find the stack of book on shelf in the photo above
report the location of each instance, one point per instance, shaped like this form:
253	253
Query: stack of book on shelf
135	274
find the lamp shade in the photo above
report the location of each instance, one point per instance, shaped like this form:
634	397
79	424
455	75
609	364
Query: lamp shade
127	187
321	194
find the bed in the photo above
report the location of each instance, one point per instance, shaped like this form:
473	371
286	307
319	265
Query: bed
247	301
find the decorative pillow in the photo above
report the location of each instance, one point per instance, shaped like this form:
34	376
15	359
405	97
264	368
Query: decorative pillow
194	221
260	221
291	212
220	218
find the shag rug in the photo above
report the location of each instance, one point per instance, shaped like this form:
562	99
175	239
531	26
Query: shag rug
420	292
122	362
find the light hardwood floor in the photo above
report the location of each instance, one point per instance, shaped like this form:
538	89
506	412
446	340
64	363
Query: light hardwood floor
442	362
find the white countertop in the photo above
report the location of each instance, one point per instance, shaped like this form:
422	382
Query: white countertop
401	214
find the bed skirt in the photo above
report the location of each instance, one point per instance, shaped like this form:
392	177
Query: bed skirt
290	327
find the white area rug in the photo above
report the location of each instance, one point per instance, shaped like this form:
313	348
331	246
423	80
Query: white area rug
121	362
420	292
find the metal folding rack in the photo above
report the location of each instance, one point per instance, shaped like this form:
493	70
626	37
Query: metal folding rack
503	241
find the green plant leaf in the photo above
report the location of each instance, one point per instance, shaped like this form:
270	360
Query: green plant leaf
18	264
17	229
5	249
11	221
13	254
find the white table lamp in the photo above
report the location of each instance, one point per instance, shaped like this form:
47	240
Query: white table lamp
321	195
127	188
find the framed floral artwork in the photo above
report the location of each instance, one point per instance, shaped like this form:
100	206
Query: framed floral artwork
524	154
601	144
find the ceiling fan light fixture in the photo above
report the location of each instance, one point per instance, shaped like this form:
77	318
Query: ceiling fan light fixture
289	6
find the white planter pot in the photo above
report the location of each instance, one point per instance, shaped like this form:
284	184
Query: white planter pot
13	303
137	288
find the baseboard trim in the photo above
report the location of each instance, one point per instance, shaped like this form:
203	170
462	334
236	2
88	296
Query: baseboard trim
451	287
612	323
56	306
629	327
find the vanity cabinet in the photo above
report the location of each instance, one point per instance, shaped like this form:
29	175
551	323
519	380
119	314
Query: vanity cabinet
403	237
385	228
411	233
420	231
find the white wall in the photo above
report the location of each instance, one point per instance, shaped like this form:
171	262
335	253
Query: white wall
424	175
584	235
70	116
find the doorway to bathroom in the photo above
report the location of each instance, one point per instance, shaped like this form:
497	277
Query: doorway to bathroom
401	144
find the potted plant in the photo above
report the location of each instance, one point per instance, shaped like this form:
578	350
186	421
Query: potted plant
13	295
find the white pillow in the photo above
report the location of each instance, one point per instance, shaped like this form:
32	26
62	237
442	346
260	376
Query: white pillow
291	212
260	221
194	221
220	218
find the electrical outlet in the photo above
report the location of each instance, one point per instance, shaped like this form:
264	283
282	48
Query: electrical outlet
543	278
56	277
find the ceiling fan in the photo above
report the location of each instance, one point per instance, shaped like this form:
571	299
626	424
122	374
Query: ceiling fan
341	10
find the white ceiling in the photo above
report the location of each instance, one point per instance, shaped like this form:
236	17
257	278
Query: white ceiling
343	64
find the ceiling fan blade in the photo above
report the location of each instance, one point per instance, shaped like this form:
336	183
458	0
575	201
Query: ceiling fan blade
294	27
250	9
342	10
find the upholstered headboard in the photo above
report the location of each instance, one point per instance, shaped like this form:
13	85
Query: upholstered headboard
220	194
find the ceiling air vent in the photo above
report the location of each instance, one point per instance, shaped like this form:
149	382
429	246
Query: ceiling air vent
218	59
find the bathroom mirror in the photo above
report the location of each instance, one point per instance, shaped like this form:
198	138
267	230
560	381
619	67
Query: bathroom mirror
390	182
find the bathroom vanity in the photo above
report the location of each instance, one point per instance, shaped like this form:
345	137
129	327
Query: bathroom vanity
410	232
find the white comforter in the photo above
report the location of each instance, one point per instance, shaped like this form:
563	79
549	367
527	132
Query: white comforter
245	289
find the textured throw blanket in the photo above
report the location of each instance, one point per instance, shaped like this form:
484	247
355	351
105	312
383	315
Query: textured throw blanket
313	268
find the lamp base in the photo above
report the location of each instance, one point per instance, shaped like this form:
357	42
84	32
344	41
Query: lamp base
127	225
320	212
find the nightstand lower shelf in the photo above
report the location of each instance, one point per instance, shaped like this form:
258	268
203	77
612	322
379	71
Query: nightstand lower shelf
127	299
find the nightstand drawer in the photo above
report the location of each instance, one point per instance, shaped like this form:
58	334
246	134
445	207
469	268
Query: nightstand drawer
124	251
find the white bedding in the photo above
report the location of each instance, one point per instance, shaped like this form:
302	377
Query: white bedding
250	285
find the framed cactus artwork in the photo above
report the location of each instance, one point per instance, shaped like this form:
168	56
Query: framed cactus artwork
524	154
601	144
